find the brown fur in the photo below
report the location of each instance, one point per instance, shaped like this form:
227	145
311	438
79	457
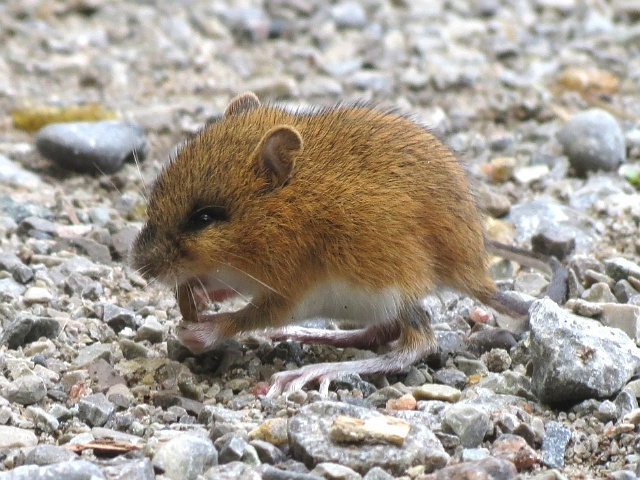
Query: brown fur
350	192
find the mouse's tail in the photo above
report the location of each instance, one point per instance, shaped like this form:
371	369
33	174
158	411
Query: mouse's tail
557	288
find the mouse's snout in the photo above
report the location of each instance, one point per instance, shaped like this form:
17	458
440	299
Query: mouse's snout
144	256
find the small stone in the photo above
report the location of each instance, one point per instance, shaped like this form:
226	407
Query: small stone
12	264
497	360
606	412
45	454
11	173
42	420
599	293
624	291
310	442
131	349
469	422
376	473
71	470
489	468
620	268
555	242
432	391
515	449
92	353
14	437
530	174
382	429
267	452
474	454
451	377
117	317
485	340
405	402
27	329
501	169
138	469
554	444
37	295
25	390
593	140
150	330
91	147
624	317
95	409
185	457
272	430
334	471
349	15
232	450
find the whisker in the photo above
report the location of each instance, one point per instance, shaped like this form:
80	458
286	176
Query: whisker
145	193
204	289
236	291
252	277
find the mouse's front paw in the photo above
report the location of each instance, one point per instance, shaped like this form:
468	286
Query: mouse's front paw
199	336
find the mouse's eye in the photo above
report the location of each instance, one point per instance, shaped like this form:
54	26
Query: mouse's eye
205	216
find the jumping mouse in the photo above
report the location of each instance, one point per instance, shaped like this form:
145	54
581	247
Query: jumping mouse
345	213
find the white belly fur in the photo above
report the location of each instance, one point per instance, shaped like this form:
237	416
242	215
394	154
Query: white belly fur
340	300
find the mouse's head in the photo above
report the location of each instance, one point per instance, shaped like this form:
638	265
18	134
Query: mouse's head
208	221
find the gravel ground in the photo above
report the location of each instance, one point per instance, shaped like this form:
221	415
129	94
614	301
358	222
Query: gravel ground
540	99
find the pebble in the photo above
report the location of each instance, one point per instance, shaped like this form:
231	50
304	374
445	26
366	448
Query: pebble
310	443
349	15
45	454
91	147
151	330
593	140
469	422
334	471
432	391
37	295
490	468
14	437
574	359
12	173
620	268
95	409
27	329
25	390
624	317
554	444
185	457
272	430
70	470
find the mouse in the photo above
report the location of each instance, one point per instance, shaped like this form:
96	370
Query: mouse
348	212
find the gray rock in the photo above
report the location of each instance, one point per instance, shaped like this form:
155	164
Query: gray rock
18	211
26	329
450	376
593	140
545	214
376	473
25	390
45	454
14	437
95	409
232	450
91	147
150	330
489	468
13	174
268	453
554	444
12	264
185	457
131	349
236	470
43	420
625	402
557	242
37	227
10	288
620	268
83	286
92	353
574	359
349	15
138	469
469	422
310	442
606	412
624	317
69	470
599	293
117	317
334	471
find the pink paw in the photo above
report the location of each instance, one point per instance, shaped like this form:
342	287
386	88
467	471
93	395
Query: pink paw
198	337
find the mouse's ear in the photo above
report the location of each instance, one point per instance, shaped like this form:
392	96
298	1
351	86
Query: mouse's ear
242	103
277	152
